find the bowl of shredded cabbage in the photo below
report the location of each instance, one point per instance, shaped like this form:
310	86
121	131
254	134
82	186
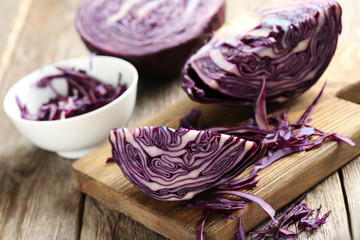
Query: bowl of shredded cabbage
69	107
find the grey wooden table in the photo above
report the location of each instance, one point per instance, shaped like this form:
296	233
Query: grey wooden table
38	196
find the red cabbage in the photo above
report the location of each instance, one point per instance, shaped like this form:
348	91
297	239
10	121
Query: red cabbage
260	108
200	226
240	235
281	139
222	205
172	165
190	120
157	36
291	47
264	205
84	94
216	204
296	213
239	183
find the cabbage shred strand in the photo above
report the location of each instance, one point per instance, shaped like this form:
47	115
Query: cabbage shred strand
84	94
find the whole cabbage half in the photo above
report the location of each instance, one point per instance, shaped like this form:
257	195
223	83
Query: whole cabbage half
173	165
290	47
157	36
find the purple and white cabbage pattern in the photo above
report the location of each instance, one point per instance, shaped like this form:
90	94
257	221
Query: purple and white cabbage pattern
84	94
173	165
291	47
157	36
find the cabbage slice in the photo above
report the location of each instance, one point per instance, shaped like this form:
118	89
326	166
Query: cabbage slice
172	165
291	46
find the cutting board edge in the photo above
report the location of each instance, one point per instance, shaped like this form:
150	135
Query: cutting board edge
210	233
84	179
218	228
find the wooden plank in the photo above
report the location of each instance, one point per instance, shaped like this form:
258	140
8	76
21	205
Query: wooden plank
105	223
108	185
351	175
68	44
38	198
11	11
328	195
12	21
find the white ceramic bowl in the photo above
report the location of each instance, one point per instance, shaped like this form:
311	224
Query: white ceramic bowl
77	136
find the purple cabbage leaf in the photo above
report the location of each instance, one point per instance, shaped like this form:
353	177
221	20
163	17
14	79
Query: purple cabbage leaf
172	165
297	212
84	94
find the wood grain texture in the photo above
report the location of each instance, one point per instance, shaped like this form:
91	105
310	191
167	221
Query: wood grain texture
12	22
351	175
280	183
38	197
10	13
38	200
105	223
328	195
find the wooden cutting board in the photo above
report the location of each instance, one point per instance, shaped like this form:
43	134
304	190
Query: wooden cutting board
281	183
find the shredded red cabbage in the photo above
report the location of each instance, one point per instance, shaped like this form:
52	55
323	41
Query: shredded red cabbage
222	204
260	108
200	226
297	213
190	120
281	139
247	183
84	94
264	205
240	235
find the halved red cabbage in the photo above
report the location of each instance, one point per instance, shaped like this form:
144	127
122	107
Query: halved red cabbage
291	47
157	36
172	165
